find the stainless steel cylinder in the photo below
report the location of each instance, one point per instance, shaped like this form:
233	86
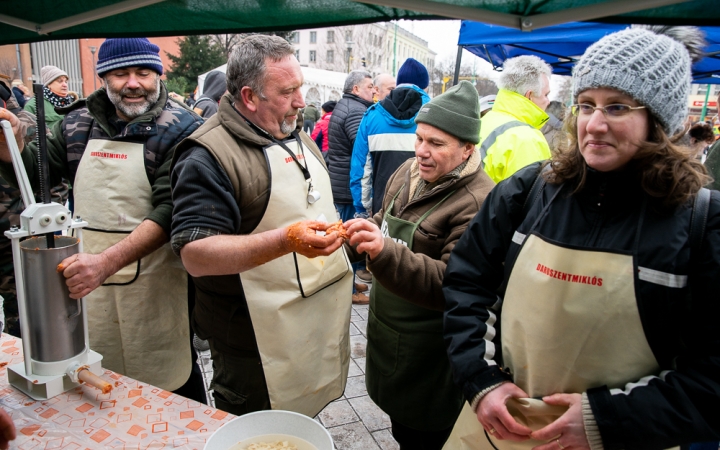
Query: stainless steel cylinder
56	325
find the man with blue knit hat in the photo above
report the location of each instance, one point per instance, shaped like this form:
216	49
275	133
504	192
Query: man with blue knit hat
116	148
386	137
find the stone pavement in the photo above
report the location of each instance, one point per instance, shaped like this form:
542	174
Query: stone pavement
354	421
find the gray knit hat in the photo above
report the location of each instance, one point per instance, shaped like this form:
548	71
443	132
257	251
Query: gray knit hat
48	74
650	64
456	112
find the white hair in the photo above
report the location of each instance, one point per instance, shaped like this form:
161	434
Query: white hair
524	73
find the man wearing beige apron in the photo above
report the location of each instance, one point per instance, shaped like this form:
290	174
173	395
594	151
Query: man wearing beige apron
116	150
252	200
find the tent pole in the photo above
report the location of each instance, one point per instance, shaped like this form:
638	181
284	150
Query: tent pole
458	60
704	109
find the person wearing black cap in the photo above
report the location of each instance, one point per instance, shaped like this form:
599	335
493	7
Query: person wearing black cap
116	148
320	133
427	206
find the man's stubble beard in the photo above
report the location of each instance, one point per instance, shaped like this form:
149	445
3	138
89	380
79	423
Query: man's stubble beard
133	111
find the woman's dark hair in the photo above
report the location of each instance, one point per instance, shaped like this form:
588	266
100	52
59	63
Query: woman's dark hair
701	132
666	170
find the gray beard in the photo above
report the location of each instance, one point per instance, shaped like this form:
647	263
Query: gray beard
287	128
133	111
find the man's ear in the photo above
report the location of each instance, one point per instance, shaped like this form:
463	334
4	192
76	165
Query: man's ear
249	98
467	151
528	95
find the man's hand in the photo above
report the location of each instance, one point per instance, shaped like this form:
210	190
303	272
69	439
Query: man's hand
493	414
18	131
85	272
301	237
366	236
568	431
7	429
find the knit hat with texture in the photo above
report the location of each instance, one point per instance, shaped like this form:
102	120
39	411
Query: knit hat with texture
413	72
456	112
48	74
650	64
119	53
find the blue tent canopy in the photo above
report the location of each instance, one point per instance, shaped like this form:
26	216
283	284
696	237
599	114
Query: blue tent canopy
562	45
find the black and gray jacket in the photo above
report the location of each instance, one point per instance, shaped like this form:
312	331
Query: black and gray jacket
159	130
214	87
343	127
677	405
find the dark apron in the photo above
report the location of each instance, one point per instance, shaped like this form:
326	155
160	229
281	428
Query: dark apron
408	373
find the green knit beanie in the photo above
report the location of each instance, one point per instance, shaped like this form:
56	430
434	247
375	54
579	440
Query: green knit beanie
456	112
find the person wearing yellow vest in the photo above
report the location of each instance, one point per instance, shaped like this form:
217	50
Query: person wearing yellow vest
251	193
116	148
582	300
510	136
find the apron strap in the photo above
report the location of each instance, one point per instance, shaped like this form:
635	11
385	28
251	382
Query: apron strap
698	219
424	216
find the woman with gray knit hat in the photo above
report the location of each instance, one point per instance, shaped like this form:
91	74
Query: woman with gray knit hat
428	203
56	93
582	300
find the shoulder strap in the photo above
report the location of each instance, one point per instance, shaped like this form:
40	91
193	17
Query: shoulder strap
492	137
698	219
535	190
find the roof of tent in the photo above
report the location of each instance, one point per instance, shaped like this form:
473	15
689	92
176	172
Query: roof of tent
37	20
561	45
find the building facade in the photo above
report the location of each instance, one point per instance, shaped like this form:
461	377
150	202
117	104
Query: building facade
376	47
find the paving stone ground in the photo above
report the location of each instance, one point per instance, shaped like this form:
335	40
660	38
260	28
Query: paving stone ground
354	421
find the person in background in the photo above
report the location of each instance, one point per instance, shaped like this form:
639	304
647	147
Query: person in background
386	137
56	92
383	84
21	92
701	138
249	193
486	104
320	133
214	88
428	204
552	130
116	149
581	303
310	117
510	136
712	161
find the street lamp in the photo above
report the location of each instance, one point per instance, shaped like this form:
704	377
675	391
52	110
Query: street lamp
93	49
349	45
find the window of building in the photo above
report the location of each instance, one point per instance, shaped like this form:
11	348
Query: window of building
295	37
297	55
312	56
348	35
330	36
330	58
313	37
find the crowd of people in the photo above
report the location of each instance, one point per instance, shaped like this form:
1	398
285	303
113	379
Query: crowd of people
538	275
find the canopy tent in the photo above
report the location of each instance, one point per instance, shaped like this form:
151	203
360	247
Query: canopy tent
561	45
319	85
37	20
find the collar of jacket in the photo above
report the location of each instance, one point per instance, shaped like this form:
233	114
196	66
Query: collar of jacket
351	96
236	125
413	177
516	105
101	108
402	104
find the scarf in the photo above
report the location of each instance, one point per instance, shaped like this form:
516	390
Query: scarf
56	100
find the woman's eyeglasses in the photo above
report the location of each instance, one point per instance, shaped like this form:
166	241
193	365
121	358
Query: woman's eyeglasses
610	111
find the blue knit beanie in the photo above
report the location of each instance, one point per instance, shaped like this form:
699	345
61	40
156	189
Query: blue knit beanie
119	53
413	72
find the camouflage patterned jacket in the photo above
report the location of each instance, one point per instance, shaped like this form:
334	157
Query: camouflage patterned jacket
160	129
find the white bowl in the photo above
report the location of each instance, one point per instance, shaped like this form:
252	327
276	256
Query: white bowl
270	422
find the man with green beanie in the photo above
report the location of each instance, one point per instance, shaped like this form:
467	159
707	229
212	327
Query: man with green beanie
429	202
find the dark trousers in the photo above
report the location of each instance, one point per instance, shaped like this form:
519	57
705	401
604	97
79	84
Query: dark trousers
238	383
194	387
308	126
411	439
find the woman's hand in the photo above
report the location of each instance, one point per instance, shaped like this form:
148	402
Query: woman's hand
493	414
568	431
365	236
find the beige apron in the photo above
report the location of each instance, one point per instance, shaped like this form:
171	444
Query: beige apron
300	307
138	319
569	323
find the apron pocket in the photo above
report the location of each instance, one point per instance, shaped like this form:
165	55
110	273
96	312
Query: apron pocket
315	274
383	343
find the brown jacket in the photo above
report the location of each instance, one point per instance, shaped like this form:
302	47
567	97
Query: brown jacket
416	275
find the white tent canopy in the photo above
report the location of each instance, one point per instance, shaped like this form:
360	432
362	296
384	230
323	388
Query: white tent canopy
319	87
